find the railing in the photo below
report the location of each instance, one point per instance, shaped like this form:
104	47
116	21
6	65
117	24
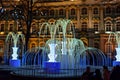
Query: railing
37	72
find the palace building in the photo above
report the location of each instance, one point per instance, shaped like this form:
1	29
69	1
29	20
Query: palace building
93	20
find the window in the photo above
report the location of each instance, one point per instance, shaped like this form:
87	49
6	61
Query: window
96	25
61	12
2	27
72	11
84	11
44	12
118	9
95	11
11	27
84	26
118	26
108	10
108	26
51	12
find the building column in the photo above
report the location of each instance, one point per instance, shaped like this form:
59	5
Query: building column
90	29
101	20
90	17
67	12
78	17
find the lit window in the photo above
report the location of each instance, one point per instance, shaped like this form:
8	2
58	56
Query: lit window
108	26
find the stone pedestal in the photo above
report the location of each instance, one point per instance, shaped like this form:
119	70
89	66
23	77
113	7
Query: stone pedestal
51	67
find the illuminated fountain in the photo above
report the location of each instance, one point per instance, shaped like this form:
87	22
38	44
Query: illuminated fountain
14	38
117	39
62	53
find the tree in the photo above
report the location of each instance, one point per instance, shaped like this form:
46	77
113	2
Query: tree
21	11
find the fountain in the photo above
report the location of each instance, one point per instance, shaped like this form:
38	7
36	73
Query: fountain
68	51
15	62
63	54
52	66
117	39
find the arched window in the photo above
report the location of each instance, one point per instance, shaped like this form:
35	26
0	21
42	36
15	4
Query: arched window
72	11
118	26
2	27
95	11
108	26
84	26
51	12
84	11
108	10
61	12
11	27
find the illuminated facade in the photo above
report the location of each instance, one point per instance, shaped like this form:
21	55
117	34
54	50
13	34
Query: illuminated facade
92	19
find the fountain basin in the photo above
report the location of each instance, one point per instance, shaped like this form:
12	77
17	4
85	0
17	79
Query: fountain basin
14	63
51	67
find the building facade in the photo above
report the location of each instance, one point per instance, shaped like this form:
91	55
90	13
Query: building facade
93	20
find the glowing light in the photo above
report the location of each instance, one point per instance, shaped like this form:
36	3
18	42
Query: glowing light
118	54
14	55
52	56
